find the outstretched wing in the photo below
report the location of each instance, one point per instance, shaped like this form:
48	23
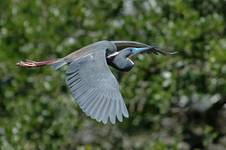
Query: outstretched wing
95	88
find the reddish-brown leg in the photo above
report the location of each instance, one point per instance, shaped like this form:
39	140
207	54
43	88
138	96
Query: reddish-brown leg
34	64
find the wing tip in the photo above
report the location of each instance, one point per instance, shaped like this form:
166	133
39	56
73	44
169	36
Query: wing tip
112	117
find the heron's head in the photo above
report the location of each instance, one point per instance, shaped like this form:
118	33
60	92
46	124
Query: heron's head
120	60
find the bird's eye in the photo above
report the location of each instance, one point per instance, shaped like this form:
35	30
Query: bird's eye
130	50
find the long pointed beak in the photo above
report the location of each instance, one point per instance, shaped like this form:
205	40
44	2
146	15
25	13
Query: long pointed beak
153	49
124	44
139	50
140	47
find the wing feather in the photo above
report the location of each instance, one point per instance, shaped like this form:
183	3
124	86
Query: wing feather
99	110
95	106
85	98
89	99
92	105
95	88
102	109
113	112
119	113
72	76
80	90
106	112
124	109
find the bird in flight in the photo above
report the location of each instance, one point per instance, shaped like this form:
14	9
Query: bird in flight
91	81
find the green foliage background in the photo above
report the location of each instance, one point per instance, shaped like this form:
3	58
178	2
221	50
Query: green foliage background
175	102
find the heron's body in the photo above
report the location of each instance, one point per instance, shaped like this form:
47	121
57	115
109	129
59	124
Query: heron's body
98	46
90	80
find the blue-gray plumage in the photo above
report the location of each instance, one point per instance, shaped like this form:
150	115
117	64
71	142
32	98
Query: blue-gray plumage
90	80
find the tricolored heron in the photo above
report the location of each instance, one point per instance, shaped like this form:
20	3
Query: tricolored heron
91	81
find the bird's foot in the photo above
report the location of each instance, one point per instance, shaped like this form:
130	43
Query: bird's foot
27	63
